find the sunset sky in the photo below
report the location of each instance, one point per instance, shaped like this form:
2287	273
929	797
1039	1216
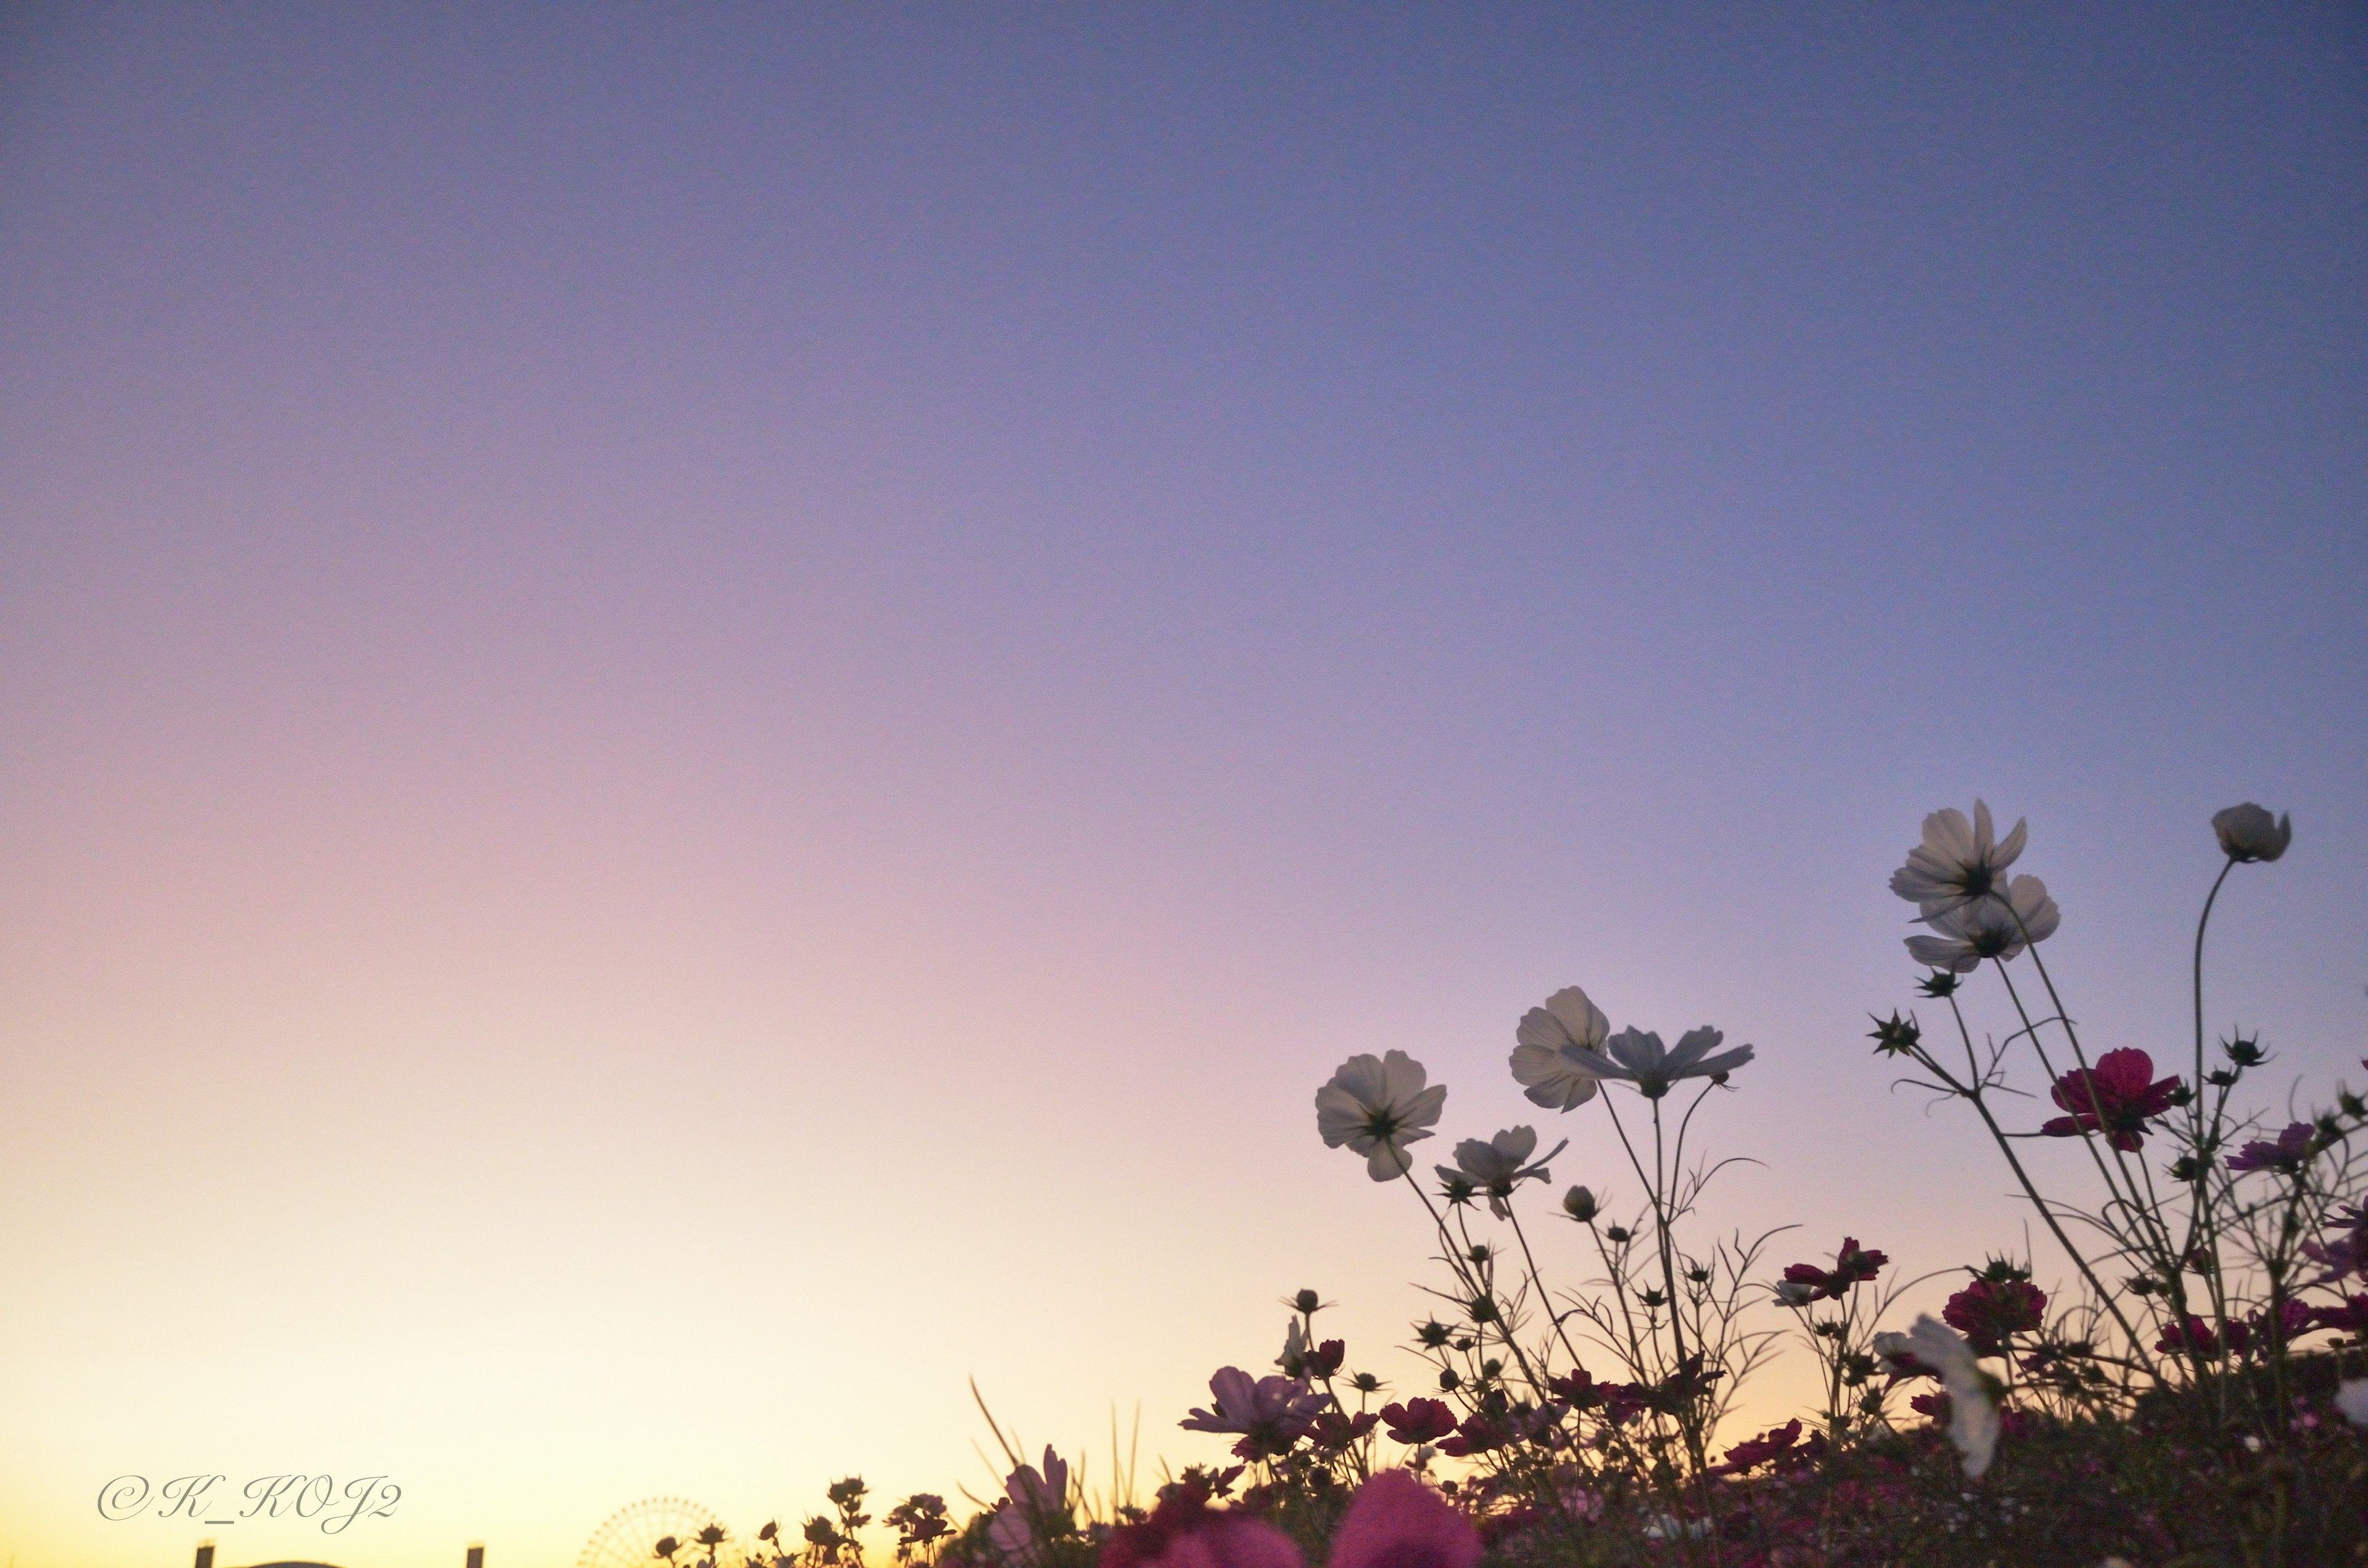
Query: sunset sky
710	716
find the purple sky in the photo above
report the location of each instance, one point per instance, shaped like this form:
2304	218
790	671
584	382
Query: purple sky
725	709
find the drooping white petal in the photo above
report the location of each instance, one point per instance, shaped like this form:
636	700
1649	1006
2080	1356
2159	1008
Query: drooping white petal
1972	1415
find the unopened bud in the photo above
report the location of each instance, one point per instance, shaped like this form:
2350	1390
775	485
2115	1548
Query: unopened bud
1581	1205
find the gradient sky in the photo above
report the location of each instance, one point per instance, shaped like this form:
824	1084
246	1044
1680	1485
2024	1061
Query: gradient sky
710	717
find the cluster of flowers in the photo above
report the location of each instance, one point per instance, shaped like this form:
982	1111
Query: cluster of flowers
1544	1443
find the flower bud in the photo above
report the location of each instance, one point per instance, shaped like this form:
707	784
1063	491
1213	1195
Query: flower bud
2249	833
1581	1205
1306	1302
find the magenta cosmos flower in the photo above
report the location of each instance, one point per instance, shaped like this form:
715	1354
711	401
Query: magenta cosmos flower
1398	1522
1853	1264
1183	1531
1987	1310
2289	1152
2116	1097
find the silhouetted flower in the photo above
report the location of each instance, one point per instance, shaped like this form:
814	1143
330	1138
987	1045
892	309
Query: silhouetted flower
2196	1339
1987	1310
1781	1444
2347	1254
1418	1421
1336	1430
1641	1058
919	1519
1271	1413
1500	1164
1994	927
1544	1059
1036	1507
2250	833
2116	1097
1958	863
1853	1265
2288	1153
1377	1107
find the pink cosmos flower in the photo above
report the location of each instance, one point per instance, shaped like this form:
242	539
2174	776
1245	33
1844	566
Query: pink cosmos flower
1036	1504
1778	1443
2287	1154
1418	1421
1852	1266
1183	1531
2351	1318
1271	1413
1398	1522
2348	1254
2195	1339
2115	1098
2292	1318
1986	1311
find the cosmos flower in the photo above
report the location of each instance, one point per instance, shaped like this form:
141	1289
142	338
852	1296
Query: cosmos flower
1398	1522
1972	1415
1987	1310
2249	833
1418	1421
2116	1097
1544	1059
1183	1531
1641	1058
1377	1107
2287	1154
1958	863
2352	1398
1853	1264
1499	1166
1036	1505
1993	928
2194	1339
1270	1413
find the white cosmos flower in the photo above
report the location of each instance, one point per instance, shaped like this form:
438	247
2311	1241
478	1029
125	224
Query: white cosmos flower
2352	1398
1990	927
1377	1106
1959	862
1642	1059
1543	1060
2249	833
1972	1414
1499	1166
